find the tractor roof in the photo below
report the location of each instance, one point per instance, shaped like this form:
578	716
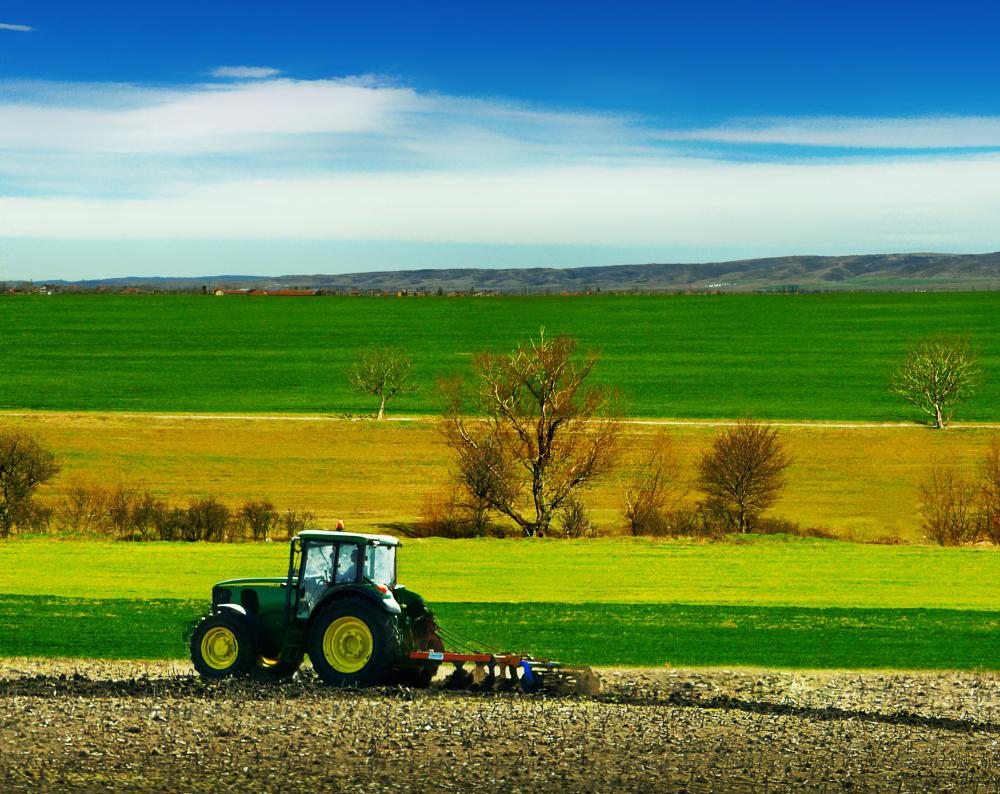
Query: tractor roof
328	536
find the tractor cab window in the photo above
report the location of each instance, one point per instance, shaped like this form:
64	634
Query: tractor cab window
380	565
319	562
317	575
347	564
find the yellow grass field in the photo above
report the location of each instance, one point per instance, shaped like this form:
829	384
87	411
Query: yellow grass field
859	481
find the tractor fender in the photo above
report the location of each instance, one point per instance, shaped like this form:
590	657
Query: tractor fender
216	609
253	623
390	605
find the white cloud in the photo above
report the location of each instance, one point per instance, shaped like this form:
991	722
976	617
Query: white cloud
930	132
246	72
858	206
363	159
20	28
203	118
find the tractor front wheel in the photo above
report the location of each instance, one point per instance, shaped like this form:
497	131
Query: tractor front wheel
351	643
222	646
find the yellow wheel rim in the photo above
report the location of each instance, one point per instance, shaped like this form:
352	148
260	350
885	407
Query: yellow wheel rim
348	644
219	648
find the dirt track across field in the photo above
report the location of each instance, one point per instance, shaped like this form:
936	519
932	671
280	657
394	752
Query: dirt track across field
108	726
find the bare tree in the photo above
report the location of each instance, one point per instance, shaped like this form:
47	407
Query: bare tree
543	435
652	488
937	374
989	497
383	373
24	465
744	471
948	506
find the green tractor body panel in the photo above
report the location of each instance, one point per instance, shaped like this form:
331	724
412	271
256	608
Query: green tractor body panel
324	567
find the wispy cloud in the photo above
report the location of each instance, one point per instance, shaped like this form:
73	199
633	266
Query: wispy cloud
374	123
246	72
928	132
19	28
367	159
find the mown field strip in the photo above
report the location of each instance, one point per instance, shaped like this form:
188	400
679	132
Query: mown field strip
766	572
818	425
801	357
377	475
620	635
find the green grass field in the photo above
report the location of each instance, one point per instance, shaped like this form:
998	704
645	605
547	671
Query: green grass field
772	602
796	357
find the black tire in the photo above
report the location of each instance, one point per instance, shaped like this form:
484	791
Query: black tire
222	646
375	665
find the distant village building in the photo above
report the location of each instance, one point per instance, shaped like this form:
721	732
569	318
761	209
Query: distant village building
278	293
286	293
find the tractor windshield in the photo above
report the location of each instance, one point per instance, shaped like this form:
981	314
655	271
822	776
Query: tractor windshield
380	565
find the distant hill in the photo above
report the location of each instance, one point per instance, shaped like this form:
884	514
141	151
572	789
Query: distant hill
867	272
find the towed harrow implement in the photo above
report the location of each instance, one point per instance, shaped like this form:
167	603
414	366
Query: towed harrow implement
493	673
492	670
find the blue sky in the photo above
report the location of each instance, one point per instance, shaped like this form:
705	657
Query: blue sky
262	138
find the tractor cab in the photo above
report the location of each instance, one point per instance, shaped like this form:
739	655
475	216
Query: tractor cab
322	562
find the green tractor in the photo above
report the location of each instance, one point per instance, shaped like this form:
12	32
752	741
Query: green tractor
340	604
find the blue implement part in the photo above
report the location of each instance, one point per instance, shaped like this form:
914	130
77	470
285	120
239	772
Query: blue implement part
528	683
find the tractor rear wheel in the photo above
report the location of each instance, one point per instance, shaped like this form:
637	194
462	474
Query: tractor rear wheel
222	645
351	643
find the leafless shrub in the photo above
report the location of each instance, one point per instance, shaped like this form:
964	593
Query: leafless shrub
295	521
887	540
477	481
171	523
207	519
715	519
36	518
574	519
652	489
82	507
948	506
768	525
25	464
680	522
441	516
989	495
743	472
258	519
149	516
119	512
131	512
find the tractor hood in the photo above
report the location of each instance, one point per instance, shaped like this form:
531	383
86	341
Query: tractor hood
255	580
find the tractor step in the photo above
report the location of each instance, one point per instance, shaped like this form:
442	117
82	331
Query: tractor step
291	647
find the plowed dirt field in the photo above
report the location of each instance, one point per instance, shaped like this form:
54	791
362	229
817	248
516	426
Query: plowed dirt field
93	726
